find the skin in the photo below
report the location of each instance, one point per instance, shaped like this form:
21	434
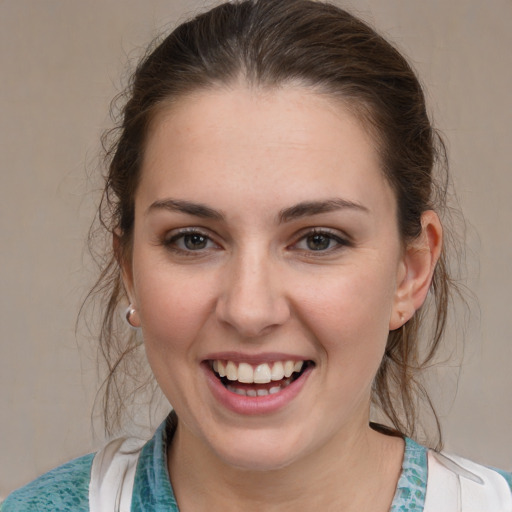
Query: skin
255	286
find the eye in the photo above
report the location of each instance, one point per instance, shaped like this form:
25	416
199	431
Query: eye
194	242
320	241
190	241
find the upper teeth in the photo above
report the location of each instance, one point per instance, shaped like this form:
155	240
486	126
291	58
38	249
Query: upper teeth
259	374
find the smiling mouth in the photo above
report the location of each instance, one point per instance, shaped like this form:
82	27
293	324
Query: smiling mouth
258	380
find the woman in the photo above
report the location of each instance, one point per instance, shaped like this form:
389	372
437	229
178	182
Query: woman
274	212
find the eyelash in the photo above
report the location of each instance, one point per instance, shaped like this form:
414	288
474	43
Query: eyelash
329	236
172	243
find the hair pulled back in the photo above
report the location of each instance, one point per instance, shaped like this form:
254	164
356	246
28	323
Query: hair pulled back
272	43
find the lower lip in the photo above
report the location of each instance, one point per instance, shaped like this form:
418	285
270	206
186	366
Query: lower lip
257	405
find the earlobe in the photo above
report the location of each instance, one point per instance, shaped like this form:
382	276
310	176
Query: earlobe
417	268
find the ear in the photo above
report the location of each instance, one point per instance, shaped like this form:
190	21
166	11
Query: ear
124	261
416	270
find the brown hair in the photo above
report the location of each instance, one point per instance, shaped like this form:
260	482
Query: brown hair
270	43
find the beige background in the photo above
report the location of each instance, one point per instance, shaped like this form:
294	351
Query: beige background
60	64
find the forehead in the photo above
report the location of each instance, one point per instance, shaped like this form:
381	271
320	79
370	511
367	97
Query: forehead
288	141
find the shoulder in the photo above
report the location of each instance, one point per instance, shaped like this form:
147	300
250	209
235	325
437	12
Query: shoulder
453	479
471	470
507	476
440	482
61	489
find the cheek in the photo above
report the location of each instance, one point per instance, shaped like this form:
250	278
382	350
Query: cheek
349	311
173	305
173	311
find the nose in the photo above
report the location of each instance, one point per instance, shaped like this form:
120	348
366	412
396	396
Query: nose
252	300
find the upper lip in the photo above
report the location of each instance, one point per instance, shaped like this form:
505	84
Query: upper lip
267	357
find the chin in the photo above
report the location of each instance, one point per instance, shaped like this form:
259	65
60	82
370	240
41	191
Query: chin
257	460
253	451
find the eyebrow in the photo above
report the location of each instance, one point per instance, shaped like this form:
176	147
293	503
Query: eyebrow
187	207
308	208
294	212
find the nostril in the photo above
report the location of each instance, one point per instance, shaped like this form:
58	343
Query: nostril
252	304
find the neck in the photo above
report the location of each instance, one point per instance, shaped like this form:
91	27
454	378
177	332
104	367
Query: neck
353	468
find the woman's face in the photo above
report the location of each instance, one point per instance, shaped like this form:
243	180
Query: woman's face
265	242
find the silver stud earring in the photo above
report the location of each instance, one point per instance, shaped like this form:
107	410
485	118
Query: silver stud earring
130	310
